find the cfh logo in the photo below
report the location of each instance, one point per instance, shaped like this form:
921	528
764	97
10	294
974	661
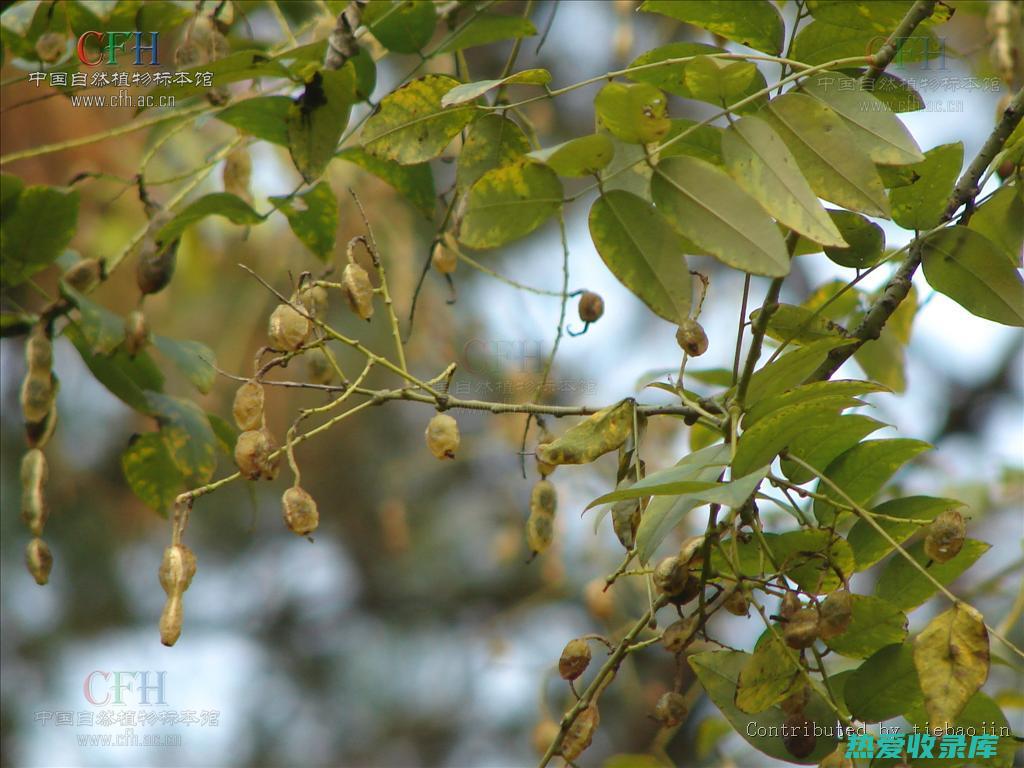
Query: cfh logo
92	45
143	688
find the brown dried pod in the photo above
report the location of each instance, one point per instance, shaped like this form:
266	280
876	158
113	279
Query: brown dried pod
797	701
51	46
84	275
136	332
678	635
39	560
34	510
442	435
314	299
157	259
171	620
801	630
574	660
543	498
625	521
544	732
39	352
288	328
443	258
790	605
835	614
691	337
671	709
177	568
300	512
580	733
248	406
237	173
945	537
38	433
318	368
38	392
591	307
355	284
540	532
798	736
736	602
253	454
670	576
690	590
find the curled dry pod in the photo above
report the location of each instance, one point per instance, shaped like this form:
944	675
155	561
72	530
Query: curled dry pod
691	337
84	275
677	635
50	46
171	620
801	630
314	299
574	660
136	332
34	510
318	367
237	173
540	531
670	710
355	284
38	433
177	568
442	436
39	352
543	499
835	614
797	701
300	512
591	307
798	735
670	576
736	602
544	732
253	455
625	521
248	406
288	329
580	733
945	536
443	258
38	392
39	560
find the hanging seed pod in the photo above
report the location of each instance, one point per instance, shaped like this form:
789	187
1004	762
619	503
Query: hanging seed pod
442	436
38	433
38	392
177	567
543	499
543	467
590	307
171	620
51	46
300	512
84	275
625	521
580	733
540	531
670	576
802	629
188	54
691	338
736	602
355	284
797	701
248	406
790	605
157	259
34	510
835	614
253	455
314	299
39	560
444	259
670	710
598	600
945	536
544	732
237	173
318	367
678	635
288	329
798	736
575	659
690	590
39	352
136	332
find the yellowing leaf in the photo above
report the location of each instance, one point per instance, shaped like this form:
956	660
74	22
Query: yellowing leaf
636	113
952	659
769	676
493	141
920	205
875	624
317	119
593	437
472	91
508	203
1001	220
577	157
719	81
313	219
150	472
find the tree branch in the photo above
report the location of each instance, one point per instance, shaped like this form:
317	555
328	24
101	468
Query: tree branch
920	11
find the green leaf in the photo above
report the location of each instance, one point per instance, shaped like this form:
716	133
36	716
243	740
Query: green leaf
707	207
875	130
317	119
264	117
636	113
790	369
628	170
102	329
753	23
701	141
127	378
315	220
240	65
410	125
643	251
840	393
875	15
461	94
403	26
876	623
769	676
151	473
225	432
920	205
952	659
718	672
798	325
37	224
11	188
494	141
761	443
414	182
671	77
231	207
583	156
824	149
508	203
866	241
968	268
906	587
760	163
192	358
813	558
898	95
487	28
819	446
187	434
869	546
980	715
885	685
666	483
862	471
1001	220
821	42
719	81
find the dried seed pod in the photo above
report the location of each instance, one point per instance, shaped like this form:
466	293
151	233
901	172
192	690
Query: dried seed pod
443	258
253	454
237	173
540	531
300	512
355	284
288	328
544	732
314	299
318	367
670	576
171	620
136	332
188	54
51	46
598	600
38	392
801	630
39	352
177	568
691	338
797	701
157	260
945	536
798	736
543	467
790	605
38	433
835	614
690	590
670	710
736	602
442	436
248	406
580	733
84	274
625	521
39	560
574	660
678	635
543	499
591	307
34	510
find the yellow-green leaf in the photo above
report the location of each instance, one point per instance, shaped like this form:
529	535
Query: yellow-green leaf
315	220
231	207
885	685
577	157
719	81
819	446
869	546
593	437
414	182
906	587
865	241
508	203
317	119
37	224
876	623
754	23
769	676
403	26
187	434
493	141
1001	220
487	28
952	659
636	113
920	205
151	473
471	91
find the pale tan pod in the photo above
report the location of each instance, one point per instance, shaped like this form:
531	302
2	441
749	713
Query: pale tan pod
580	733
247	407
177	568
288	329
358	290
171	620
34	510
39	560
300	511
442	436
